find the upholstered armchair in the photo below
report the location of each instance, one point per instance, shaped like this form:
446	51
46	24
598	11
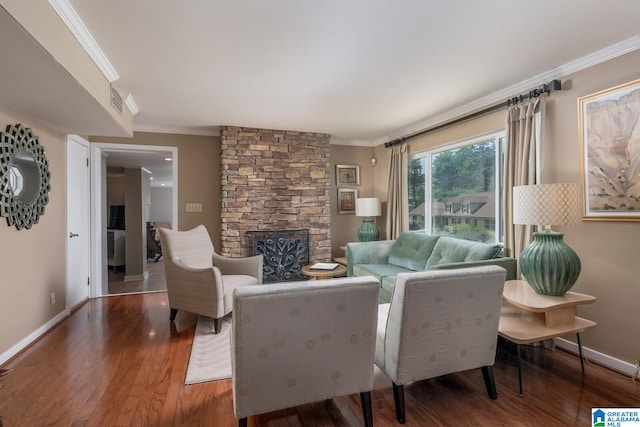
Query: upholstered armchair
440	322
199	280
301	342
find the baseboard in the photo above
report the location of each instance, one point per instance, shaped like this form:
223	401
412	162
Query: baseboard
600	358
32	337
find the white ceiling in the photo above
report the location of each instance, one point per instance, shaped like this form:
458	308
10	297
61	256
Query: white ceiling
362	70
154	161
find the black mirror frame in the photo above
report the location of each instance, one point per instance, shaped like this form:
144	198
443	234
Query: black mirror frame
18	213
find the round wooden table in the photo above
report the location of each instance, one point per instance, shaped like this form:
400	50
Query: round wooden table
323	274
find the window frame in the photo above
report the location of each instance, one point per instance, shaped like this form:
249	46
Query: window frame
499	138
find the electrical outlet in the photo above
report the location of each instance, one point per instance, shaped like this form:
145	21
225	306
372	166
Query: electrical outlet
53	298
194	207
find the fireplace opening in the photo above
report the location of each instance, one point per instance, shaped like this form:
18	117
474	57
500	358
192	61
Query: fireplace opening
285	252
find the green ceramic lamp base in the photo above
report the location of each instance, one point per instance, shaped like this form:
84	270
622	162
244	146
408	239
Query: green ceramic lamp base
549	265
368	232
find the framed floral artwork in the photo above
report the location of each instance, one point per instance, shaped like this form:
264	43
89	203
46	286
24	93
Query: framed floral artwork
610	149
347	175
347	201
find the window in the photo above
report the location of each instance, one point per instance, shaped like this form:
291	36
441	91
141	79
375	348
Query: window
466	207
464	178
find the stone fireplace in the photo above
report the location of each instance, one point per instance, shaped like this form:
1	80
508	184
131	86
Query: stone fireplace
275	180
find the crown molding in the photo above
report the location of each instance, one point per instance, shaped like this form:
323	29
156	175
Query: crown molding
595	58
71	19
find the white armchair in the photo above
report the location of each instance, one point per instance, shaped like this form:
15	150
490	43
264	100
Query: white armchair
301	342
199	280
440	322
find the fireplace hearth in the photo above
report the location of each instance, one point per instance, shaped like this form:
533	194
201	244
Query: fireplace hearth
285	252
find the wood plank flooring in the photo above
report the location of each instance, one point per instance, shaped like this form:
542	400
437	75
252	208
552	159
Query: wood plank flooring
118	361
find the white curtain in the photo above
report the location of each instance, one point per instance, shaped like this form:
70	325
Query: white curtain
396	208
523	129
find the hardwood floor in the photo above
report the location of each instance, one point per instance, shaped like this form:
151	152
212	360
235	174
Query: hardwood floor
118	361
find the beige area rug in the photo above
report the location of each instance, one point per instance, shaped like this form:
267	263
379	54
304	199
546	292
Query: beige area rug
210	358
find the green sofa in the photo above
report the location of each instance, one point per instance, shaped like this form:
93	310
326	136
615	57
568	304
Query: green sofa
413	251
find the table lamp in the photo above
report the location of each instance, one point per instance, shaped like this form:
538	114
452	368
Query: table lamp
548	264
368	207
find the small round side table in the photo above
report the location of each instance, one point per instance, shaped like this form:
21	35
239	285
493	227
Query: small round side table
323	274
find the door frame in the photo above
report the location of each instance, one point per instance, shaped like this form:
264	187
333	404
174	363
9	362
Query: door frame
99	152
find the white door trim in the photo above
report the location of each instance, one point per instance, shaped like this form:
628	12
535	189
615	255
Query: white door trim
99	201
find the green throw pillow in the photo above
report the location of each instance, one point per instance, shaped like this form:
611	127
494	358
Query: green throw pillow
449	250
411	250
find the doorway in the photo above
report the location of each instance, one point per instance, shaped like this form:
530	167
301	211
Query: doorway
155	166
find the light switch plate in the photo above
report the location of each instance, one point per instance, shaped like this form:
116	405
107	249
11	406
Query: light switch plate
194	207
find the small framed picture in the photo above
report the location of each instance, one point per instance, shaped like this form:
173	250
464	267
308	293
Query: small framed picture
347	201
347	175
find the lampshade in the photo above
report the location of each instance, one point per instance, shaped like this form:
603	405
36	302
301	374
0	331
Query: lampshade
548	264
368	206
547	204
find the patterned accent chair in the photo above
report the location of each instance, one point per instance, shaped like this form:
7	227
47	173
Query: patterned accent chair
199	280
301	342
440	322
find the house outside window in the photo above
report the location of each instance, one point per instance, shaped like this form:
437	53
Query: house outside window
463	178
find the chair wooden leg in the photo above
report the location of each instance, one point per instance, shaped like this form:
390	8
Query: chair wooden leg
217	325
242	422
367	412
489	381
398	398
172	315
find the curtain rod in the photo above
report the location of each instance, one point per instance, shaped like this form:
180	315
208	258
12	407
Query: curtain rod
533	93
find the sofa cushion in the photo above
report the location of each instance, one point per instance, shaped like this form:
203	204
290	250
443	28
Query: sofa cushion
411	250
449	250
379	271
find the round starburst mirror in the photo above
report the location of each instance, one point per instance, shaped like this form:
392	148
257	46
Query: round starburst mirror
24	177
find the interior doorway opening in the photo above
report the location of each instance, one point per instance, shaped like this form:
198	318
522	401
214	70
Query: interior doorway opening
117	172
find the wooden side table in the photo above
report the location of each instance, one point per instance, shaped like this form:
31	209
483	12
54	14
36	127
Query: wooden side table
529	317
323	274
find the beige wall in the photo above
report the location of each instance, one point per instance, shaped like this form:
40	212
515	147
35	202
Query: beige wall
33	261
608	250
198	175
135	256
115	190
344	228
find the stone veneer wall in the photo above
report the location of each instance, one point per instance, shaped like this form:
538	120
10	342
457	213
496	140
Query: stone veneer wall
275	180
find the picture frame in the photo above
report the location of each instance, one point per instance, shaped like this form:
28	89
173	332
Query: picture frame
347	175
347	201
610	165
